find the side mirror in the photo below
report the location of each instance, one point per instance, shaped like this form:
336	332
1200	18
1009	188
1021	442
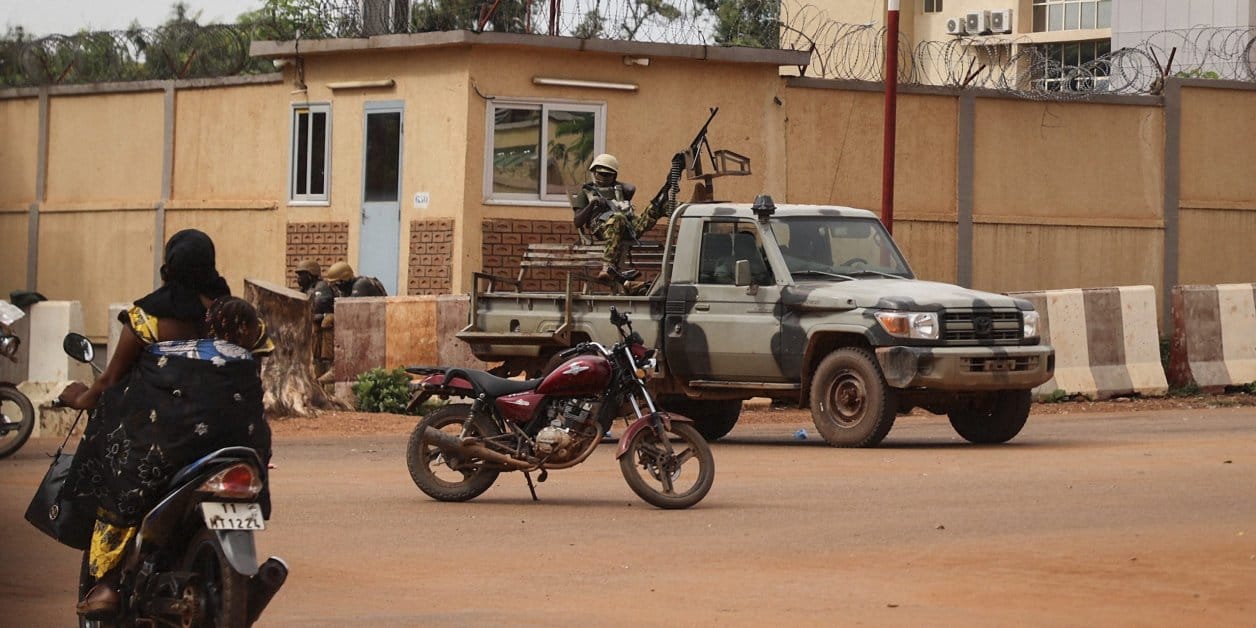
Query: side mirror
741	272
78	347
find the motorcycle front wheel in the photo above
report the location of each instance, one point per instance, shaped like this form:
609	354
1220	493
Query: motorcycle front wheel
673	472
219	594
446	478
17	420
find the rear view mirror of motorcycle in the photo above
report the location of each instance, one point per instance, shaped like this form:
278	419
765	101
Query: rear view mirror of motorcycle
618	319
78	347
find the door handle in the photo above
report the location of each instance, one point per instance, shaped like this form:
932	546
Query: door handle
702	307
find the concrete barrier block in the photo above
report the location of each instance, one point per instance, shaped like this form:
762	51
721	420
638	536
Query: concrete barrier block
115	328
1105	339
1214	336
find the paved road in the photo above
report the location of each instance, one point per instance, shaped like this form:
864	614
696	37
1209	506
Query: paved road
1096	519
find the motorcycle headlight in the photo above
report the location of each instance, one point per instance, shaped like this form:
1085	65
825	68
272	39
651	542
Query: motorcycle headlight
923	325
1029	323
9	345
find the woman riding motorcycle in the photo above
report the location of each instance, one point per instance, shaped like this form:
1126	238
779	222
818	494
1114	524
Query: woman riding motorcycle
182	383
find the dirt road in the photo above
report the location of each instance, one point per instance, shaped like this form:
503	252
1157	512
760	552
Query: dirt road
1145	518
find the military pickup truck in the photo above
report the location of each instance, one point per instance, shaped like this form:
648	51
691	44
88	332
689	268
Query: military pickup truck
812	305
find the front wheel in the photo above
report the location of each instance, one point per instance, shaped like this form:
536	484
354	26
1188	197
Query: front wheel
673	472
997	421
218	596
17	420
851	404
448	478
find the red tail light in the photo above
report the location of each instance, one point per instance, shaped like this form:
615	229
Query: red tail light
238	481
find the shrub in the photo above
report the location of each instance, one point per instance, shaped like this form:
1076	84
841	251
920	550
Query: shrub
381	390
1057	396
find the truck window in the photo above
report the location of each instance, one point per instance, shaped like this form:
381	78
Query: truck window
837	245
722	245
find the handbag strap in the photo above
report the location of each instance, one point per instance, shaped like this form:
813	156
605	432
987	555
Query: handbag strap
69	433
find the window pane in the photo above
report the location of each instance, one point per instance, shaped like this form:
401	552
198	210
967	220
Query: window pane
1105	14
383	151
1072	54
1055	17
569	150
318	154
1040	18
516	144
1088	15
301	154
1071	16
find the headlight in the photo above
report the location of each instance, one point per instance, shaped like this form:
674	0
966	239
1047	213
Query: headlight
910	324
1030	323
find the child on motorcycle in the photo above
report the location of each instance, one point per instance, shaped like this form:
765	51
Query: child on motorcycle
182	383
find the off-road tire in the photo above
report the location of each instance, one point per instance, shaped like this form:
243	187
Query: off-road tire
851	404
420	455
1000	421
713	418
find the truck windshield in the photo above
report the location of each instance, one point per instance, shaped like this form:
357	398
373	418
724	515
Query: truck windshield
836	245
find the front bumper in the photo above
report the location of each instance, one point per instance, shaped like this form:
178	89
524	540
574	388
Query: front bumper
967	368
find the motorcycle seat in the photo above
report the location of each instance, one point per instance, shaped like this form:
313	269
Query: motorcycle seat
492	385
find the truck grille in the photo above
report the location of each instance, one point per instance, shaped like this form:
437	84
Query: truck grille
1000	365
981	327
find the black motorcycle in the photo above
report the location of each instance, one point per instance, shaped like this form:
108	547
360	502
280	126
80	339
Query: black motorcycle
194	562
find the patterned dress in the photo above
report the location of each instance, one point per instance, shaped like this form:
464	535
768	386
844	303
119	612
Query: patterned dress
182	400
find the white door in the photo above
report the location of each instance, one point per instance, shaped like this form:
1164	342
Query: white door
381	193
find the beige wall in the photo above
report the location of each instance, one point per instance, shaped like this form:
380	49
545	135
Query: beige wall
247	242
13	230
1024	257
231	143
1218	189
105	148
19	128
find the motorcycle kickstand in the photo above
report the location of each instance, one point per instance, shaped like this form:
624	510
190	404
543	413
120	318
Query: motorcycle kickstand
540	478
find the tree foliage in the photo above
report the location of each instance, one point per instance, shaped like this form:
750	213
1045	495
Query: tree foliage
754	23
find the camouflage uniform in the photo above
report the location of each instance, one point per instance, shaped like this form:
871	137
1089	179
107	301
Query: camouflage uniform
616	225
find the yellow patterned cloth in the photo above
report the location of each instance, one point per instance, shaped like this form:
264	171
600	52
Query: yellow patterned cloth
109	543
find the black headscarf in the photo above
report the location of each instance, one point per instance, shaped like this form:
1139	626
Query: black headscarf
189	273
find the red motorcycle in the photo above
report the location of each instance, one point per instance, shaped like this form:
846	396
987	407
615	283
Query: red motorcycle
554	422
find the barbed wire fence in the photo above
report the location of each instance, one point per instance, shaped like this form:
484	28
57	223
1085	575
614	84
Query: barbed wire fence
1011	64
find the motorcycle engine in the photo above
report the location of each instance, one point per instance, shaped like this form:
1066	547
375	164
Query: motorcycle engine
571	425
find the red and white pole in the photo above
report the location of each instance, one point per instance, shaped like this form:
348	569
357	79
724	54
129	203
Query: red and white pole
891	115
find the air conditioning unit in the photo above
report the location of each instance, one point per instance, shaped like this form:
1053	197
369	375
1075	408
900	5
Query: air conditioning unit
1001	21
956	26
977	22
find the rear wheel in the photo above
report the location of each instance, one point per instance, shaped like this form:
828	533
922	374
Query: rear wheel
851	404
447	478
17	420
218	595
998	420
673	472
713	418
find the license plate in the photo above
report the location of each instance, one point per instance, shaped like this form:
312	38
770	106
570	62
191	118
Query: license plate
1000	365
230	516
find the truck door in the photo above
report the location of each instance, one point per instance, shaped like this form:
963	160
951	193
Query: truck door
719	331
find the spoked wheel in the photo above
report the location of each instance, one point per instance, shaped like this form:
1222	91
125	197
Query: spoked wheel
217	597
443	477
673	472
17	420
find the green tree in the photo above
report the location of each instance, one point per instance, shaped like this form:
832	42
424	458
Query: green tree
642	11
508	16
754	23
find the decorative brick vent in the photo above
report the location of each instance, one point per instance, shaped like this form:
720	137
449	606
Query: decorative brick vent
505	241
431	254
323	242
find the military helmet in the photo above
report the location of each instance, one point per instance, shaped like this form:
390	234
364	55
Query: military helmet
309	266
605	161
340	271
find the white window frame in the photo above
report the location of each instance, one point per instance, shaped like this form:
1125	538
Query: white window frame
323	199
598	109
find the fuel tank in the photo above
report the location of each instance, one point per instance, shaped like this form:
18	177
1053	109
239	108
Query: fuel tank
580	375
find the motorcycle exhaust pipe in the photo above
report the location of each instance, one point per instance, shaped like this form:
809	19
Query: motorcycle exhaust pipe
264	585
459	447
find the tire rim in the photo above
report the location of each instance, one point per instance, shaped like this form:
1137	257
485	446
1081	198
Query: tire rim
849	399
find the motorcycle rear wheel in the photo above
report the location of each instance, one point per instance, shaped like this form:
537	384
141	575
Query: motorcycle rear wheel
222	592
441	478
18	415
662	471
